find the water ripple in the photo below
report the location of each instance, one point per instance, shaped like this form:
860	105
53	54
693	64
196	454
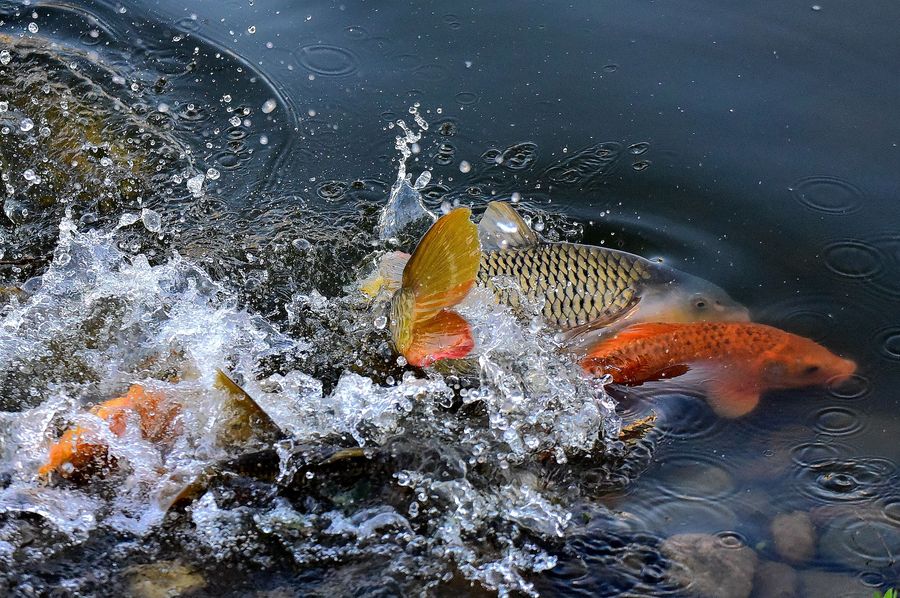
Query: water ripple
828	195
853	259
328	60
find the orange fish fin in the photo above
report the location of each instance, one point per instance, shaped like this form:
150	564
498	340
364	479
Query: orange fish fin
439	274
445	336
732	394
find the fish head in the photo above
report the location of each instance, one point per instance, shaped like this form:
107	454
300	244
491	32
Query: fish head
802	362
682	298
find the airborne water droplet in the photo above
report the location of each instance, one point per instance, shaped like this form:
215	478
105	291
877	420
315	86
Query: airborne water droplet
269	106
152	220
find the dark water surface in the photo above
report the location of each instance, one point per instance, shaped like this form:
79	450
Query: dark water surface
751	144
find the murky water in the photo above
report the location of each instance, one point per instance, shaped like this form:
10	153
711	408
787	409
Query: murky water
200	187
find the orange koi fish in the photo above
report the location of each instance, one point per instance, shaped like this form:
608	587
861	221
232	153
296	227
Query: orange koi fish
743	360
77	448
437	277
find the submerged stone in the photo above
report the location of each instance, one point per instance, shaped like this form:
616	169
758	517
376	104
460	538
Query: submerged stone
794	536
705	566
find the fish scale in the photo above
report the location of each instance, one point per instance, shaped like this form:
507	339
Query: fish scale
577	284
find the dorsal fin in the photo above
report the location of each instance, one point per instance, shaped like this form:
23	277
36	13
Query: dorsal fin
502	228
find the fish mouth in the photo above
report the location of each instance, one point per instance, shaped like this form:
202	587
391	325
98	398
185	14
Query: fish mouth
844	372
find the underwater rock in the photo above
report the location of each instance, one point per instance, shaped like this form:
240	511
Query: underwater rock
794	536
163	580
706	566
825	583
775	580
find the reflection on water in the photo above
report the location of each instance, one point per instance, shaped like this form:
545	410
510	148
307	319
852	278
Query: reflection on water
195	188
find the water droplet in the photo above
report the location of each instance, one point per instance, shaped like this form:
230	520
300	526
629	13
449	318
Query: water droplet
29	175
127	220
465	167
5	57
195	185
27	124
301	244
251	29
212	174
33	27
380	322
152	220
269	106
4	106
235	121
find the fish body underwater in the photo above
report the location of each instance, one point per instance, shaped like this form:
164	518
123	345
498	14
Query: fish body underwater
739	360
582	291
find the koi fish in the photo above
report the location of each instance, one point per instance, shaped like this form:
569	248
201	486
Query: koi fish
584	289
78	448
742	360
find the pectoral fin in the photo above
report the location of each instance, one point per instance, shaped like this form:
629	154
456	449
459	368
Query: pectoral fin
732	394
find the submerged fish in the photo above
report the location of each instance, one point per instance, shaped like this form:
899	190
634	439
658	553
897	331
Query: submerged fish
740	360
584	289
78	448
158	417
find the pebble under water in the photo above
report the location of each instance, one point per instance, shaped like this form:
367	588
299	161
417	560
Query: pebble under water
187	189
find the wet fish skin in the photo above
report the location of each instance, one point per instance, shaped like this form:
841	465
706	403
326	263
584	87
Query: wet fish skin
578	283
740	360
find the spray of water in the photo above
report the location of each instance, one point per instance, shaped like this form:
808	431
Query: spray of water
431	473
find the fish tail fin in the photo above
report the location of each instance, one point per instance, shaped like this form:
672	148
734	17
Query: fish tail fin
438	275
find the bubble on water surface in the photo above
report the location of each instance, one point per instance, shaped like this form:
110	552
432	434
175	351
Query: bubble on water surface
5	57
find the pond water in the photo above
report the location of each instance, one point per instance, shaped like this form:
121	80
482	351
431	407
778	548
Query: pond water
195	185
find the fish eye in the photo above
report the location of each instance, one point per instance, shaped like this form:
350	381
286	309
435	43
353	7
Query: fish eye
811	369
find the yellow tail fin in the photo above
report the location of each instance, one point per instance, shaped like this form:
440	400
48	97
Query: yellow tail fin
439	274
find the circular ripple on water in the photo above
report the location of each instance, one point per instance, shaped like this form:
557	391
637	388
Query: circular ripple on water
853	259
863	539
661	514
695	477
520	156
845	480
331	190
327	60
855	387
465	98
889	343
838	421
809	453
829	195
